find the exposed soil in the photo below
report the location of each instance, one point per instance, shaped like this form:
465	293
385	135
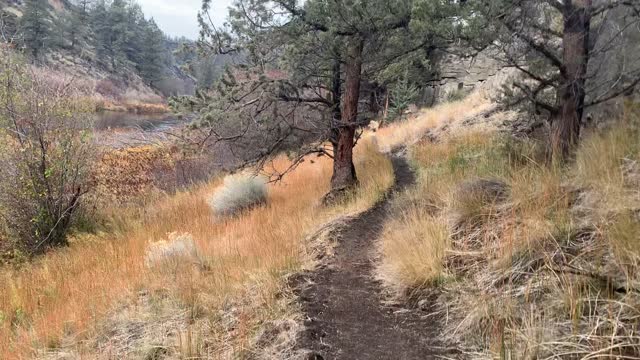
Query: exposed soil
347	317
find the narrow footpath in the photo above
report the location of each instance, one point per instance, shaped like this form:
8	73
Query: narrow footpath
344	305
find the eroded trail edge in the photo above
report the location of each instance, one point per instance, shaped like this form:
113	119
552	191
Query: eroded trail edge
346	317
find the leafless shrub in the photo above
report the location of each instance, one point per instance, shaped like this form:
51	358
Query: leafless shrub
108	88
46	154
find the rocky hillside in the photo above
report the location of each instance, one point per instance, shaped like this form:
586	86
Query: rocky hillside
134	65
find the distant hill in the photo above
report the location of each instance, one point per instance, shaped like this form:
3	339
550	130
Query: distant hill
97	42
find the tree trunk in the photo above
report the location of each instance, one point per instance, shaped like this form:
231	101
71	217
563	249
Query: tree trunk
344	172
565	124
336	98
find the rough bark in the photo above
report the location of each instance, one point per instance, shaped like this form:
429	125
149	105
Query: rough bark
336	99
344	171
566	122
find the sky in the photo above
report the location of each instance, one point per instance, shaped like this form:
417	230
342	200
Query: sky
178	17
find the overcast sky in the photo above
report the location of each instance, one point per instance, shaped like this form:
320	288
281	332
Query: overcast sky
178	17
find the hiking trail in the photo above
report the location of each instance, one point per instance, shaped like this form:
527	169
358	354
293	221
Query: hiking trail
344	305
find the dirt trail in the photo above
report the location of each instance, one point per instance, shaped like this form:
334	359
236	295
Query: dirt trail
346	317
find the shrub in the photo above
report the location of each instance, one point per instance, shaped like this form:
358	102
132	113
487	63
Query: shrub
403	95
456	95
45	157
179	248
238	193
109	89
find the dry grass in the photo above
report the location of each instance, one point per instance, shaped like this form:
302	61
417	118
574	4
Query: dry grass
136	107
413	249
413	129
219	303
536	261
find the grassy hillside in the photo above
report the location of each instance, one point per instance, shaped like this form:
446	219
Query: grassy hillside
515	258
74	50
104	298
519	259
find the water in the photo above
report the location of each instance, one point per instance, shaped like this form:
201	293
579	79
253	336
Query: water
112	121
121	130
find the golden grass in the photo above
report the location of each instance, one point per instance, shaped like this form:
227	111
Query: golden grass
413	129
412	250
136	107
530	275
67	294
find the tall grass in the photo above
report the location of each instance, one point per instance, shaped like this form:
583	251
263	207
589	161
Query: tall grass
63	299
413	129
534	261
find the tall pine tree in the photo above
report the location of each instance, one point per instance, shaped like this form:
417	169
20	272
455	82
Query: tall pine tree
153	53
36	26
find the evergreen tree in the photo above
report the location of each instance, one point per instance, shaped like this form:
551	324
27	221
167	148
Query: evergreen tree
120	33
36	26
79	19
561	49
9	23
314	56
135	36
100	27
153	53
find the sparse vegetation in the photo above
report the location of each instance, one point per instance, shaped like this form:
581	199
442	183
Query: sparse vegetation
518	239
45	157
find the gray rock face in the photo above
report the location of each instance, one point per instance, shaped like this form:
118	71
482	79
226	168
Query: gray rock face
460	75
614	64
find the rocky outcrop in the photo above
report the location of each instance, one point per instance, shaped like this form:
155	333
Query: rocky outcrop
614	64
457	75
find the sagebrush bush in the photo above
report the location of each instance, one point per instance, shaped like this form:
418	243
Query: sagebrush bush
238	193
178	247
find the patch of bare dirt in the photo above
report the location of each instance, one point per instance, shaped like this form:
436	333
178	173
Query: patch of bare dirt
346	313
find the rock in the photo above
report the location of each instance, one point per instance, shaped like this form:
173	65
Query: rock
313	356
487	190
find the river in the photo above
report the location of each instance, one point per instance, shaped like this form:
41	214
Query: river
121	129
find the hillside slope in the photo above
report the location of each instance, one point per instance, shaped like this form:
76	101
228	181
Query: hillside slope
72	49
519	259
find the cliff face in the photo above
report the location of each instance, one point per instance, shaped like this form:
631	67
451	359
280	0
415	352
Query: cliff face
457	75
614	62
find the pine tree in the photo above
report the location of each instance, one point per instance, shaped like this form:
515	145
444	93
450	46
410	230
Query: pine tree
135	35
153	53
9	23
100	26
120	33
36	26
78	32
328	50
